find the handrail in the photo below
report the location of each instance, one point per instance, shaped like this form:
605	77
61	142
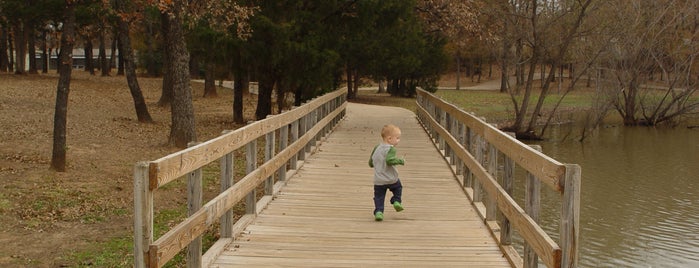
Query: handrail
313	120
444	121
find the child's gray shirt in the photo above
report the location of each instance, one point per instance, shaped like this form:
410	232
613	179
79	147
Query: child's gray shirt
383	158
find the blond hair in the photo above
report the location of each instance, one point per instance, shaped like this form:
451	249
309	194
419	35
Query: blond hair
389	130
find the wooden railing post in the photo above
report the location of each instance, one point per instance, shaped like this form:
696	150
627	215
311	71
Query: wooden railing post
309	124
227	180
508	182
294	137
491	207
477	189
468	176
251	165
283	142
447	149
532	206
570	216
442	119
302	131
270	140
458	133
194	203
143	215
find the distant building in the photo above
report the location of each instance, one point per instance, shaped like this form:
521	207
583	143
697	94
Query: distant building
79	60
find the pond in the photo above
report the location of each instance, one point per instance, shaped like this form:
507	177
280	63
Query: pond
640	195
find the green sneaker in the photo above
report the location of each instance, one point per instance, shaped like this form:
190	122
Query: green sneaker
378	216
397	206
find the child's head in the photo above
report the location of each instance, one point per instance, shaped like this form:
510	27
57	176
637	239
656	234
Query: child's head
390	134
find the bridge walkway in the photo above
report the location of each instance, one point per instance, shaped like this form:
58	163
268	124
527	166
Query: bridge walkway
323	216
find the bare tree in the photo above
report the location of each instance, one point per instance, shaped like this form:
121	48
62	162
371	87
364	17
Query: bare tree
654	37
544	32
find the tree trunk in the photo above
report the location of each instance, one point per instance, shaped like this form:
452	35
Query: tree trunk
356	83
31	43
120	58
20	48
11	51
89	66
522	112
44	54
281	94
210	81
458	72
519	65
4	63
112	54
350	92
104	63
130	67
194	66
239	87
167	92
264	98
183	128
504	79
58	157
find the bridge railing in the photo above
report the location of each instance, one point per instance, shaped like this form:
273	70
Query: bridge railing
298	131
473	147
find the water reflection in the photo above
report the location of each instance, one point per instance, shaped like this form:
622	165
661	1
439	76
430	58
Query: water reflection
640	195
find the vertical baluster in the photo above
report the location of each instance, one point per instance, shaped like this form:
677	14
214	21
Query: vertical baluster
570	216
194	203
283	143
294	137
532	206
477	189
491	205
269	154
508	180
251	165
143	215
301	133
227	180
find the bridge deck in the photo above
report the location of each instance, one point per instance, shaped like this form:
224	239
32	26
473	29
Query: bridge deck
323	217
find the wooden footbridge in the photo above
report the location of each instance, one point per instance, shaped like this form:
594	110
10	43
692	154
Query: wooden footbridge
316	210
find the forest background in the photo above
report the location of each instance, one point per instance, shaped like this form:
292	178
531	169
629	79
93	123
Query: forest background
73	208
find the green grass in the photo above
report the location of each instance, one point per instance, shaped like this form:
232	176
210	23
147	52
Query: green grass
493	105
113	253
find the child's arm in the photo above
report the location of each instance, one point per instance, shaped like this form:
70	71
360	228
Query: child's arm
391	158
371	160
